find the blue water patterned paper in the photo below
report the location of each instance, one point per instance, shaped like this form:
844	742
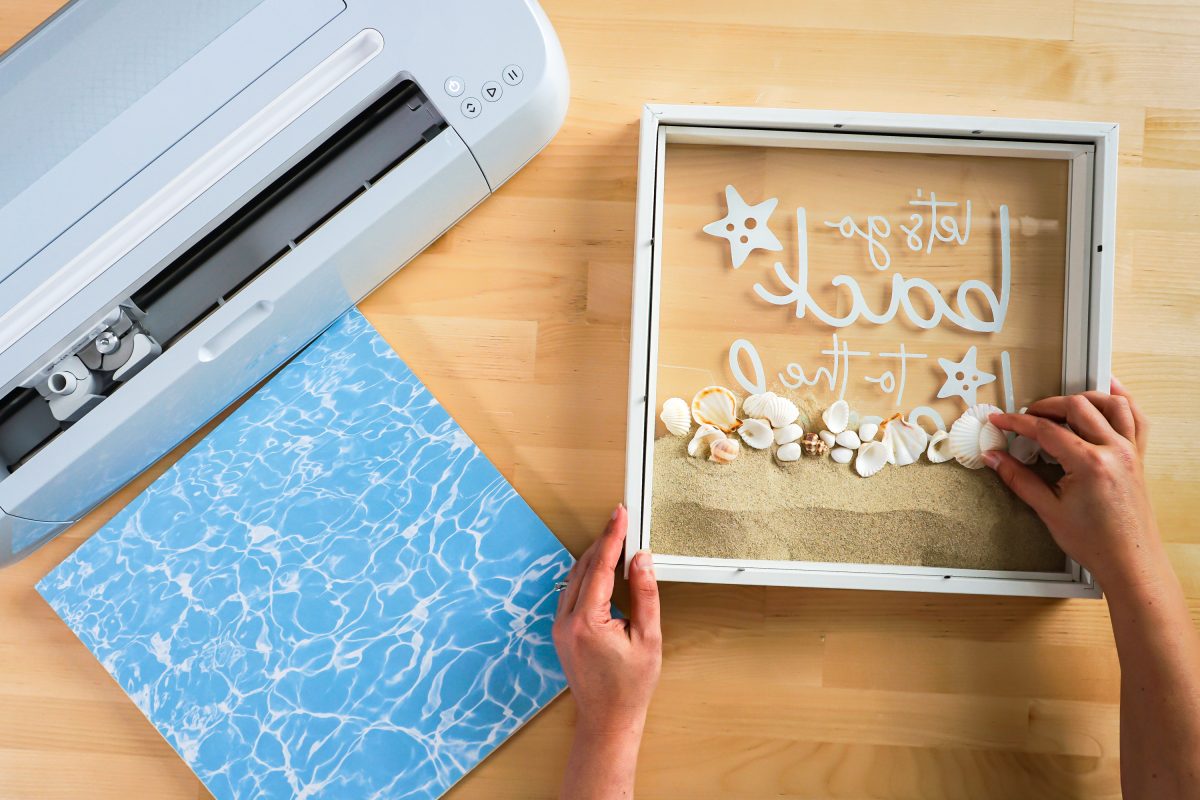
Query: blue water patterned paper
334	595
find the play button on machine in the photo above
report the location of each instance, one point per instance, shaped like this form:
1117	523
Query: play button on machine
492	91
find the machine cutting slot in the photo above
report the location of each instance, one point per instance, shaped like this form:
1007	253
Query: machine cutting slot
188	288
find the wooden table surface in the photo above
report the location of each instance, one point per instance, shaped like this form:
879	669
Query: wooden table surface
518	322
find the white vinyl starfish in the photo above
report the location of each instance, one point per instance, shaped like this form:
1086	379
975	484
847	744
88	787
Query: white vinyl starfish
745	226
963	378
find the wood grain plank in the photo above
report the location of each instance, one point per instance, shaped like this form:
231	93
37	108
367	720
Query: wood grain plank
996	669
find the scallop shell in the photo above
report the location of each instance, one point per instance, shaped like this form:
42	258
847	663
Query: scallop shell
828	438
848	440
983	411
756	433
867	431
939	448
1024	449
705	435
780	411
905	441
813	445
871	458
755	405
970	438
841	455
724	450
836	417
788	453
716	405
677	416
788	434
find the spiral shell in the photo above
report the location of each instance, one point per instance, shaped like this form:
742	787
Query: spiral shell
724	450
717	406
676	416
813	445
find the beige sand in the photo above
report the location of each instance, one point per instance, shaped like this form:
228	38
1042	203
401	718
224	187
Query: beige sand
940	515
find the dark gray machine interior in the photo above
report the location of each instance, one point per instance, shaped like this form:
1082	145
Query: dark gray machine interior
254	237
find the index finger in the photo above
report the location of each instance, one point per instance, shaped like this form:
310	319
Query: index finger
595	595
1056	440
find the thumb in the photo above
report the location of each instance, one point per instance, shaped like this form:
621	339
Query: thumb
643	591
1024	482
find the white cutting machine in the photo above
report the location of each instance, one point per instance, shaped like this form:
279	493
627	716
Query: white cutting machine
191	191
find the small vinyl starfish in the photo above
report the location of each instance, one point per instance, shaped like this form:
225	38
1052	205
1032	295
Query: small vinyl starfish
963	378
745	226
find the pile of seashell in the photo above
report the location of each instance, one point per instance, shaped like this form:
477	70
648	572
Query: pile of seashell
870	442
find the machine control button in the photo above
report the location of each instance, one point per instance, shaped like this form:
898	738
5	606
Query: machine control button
492	91
471	107
513	75
455	86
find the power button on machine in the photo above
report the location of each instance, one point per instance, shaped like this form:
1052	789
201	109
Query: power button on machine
455	86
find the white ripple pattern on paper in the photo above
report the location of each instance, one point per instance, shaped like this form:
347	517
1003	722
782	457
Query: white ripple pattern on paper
334	595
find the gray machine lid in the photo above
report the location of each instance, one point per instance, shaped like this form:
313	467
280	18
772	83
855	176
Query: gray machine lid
62	85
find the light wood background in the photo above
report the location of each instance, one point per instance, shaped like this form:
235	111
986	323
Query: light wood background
518	322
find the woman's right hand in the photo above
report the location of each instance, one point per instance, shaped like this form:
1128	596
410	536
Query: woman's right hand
1099	512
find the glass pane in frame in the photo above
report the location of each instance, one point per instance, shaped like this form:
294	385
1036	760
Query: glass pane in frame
884	278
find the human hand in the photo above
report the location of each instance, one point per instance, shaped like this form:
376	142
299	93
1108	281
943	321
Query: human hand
1099	512
612	665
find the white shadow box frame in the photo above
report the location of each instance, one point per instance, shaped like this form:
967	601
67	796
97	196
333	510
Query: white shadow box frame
1090	148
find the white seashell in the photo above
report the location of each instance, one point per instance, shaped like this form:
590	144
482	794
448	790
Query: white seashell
867	431
964	441
1024	449
983	411
756	404
780	411
939	448
705	436
871	458
836	417
905	441
841	455
756	433
724	450
716	405
848	440
788	434
788	453
827	437
677	416
970	438
992	438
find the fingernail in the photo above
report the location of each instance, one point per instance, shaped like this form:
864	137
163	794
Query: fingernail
643	561
991	458
1117	382
617	511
